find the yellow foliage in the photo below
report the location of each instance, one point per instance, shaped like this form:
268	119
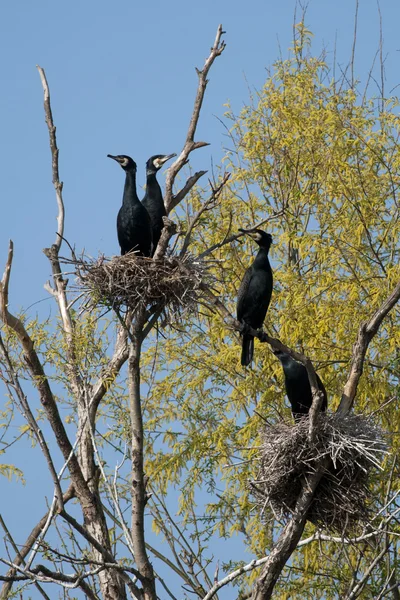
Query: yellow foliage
322	165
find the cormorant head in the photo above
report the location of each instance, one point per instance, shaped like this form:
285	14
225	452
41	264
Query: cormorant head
263	239
280	354
156	162
287	361
126	162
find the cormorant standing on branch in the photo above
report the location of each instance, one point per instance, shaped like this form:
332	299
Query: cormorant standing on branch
133	221
153	200
298	387
255	292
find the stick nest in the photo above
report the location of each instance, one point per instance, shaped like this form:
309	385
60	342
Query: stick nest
132	281
342	500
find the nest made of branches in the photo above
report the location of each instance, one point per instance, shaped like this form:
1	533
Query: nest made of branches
342	500
132	281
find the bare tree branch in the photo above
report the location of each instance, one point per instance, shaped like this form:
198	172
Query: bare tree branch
236	236
58	186
26	548
138	478
191	182
15	548
168	231
207	205
169	199
52	253
104	552
120	356
365	334
353	51
356	591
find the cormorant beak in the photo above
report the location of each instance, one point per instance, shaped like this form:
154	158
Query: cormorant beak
249	232
164	159
113	157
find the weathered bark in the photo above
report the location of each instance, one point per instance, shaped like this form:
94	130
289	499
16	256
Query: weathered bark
139	498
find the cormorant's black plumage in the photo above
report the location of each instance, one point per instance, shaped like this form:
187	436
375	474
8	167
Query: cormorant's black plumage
255	292
298	387
153	200
133	221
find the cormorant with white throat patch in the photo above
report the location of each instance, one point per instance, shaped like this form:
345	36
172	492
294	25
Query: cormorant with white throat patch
255	292
153	200
133	221
298	387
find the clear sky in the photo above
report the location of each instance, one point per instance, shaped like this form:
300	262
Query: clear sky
122	79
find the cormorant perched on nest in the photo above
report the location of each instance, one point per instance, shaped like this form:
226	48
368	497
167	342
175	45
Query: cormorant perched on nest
298	387
255	292
133	221
153	200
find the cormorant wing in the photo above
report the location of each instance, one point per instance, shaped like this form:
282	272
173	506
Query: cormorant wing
243	293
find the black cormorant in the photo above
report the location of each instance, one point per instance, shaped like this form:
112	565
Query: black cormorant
298	387
255	292
133	220
153	200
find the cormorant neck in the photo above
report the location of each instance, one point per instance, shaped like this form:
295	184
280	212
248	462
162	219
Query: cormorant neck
262	256
291	366
130	194
151	181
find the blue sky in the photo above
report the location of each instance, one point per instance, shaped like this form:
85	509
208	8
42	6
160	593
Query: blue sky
122	78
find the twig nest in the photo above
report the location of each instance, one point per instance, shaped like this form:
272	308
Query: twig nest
342	499
132	281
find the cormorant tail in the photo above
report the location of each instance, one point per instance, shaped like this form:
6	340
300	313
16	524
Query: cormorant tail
247	350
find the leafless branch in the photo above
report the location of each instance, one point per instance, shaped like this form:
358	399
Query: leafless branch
236	236
353	51
357	589
169	199
119	357
60	284
365	334
254	564
58	186
191	182
104	552
168	231
207	205
25	549
20	559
